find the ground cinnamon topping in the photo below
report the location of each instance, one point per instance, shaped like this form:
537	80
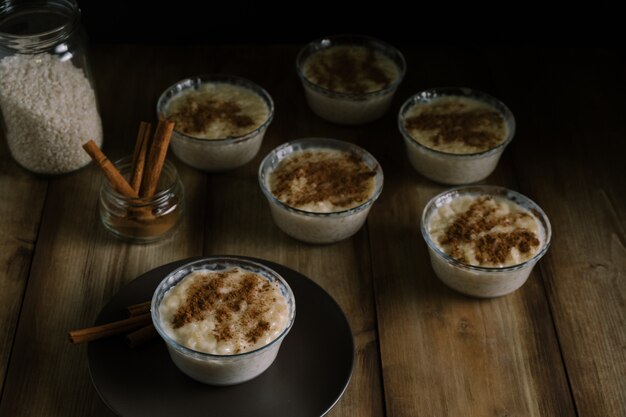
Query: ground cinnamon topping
339	178
195	117
481	228
348	69
227	299
480	128
258	331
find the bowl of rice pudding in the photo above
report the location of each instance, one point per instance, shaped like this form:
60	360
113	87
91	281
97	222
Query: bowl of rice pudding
484	240
455	135
223	319
350	79
320	190
220	120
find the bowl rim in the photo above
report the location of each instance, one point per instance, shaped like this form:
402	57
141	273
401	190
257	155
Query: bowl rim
124	164
281	153
197	80
325	42
492	190
430	94
233	261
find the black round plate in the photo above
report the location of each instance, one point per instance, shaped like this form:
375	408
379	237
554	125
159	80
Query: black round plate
309	376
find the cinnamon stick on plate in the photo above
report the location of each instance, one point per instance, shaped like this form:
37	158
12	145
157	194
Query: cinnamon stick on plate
137	309
112	174
156	158
98	332
140	154
141	336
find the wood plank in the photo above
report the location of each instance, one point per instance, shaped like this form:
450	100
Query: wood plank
444	353
23	196
577	124
77	265
116	263
241	224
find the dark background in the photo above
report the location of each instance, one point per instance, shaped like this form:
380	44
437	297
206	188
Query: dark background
186	21
401	23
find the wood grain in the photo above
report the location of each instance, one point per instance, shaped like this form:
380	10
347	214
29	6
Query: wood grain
239	223
21	207
553	348
572	163
444	353
78	266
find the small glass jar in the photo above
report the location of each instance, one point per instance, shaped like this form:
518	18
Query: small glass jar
47	96
143	219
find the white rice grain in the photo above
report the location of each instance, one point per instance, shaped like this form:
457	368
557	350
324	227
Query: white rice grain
49	109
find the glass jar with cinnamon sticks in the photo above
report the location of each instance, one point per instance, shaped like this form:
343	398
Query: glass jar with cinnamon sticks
142	219
143	197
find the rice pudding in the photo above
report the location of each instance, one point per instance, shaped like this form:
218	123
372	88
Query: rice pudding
223	319
217	111
320	190
351	69
484	241
322	181
350	79
485	231
454	135
219	120
224	313
455	124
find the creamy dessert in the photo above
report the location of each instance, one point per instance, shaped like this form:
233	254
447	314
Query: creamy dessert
455	136
220	121
223	318
484	241
350	80
455	124
351	69
320	190
486	231
224	313
322	180
217	111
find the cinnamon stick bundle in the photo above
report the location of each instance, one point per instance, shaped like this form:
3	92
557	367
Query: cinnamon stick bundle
140	154
147	162
116	179
156	158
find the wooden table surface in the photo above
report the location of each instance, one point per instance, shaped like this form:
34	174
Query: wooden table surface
556	347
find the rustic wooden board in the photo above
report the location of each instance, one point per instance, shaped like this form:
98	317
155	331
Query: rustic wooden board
555	347
78	266
239	223
236	222
21	208
573	165
444	353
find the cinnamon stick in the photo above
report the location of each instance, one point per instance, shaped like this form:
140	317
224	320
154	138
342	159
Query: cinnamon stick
141	336
137	309
158	150
98	332
139	156
116	179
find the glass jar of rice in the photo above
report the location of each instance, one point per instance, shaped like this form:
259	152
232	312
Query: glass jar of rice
47	98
